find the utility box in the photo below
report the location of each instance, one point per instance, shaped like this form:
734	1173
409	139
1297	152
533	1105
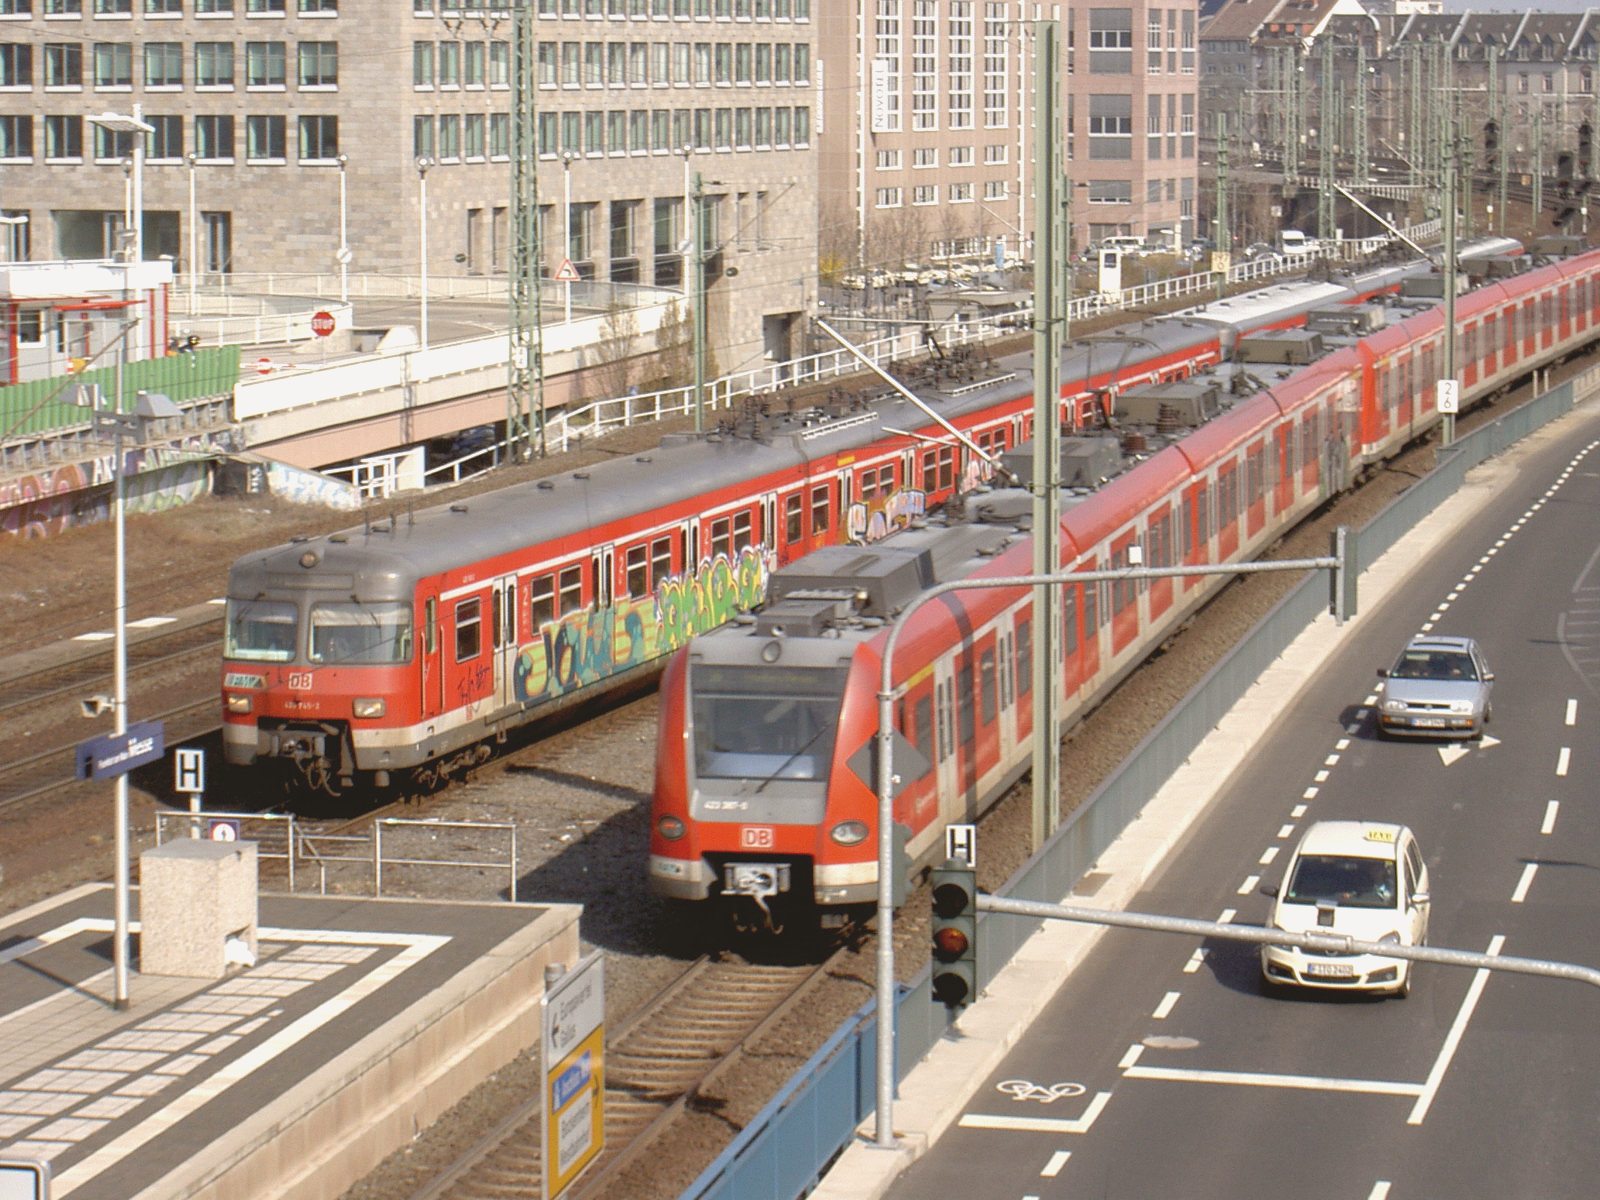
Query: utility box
197	908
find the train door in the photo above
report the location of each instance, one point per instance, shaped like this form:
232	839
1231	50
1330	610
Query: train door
503	639
945	727
691	547
432	671
769	522
1006	644
602	562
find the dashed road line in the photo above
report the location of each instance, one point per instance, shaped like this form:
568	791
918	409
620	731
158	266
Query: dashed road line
1168	1002
1572	712
1526	882
1563	761
1550	811
1057	1161
1251	882
1458	1028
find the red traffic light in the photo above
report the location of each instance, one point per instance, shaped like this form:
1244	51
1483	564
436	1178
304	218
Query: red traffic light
949	943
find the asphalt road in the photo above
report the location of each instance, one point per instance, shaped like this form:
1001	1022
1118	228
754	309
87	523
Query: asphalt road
1159	1072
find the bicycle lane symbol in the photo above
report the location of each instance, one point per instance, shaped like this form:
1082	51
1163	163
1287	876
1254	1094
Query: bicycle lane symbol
1023	1089
1026	1091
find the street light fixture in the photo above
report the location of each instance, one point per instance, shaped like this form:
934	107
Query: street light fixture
423	164
566	254
343	253
194	236
131	123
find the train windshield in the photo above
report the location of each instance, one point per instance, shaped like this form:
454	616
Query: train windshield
261	630
765	723
350	632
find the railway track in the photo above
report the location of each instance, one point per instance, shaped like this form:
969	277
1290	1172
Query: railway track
92	669
656	1065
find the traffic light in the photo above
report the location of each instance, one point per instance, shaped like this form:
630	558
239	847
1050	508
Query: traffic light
1585	149
955	933
1491	137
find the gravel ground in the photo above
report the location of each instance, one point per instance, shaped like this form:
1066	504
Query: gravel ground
580	801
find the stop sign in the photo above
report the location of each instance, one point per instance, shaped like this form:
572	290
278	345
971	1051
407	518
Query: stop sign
322	323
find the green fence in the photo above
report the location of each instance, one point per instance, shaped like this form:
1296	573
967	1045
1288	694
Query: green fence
40	407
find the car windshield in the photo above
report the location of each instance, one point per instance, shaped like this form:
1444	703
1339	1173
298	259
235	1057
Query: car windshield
261	630
350	632
1435	664
1349	881
764	723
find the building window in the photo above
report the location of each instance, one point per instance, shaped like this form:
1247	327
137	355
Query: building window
319	8
16	137
925	193
994	189
450	137
64	138
165	141
924	156
499	64
473	129
213	64
996	62
422	143
886	67
319	138
111	145
1110	191
52	8
163	8
960	156
16	65
449	64
213	8
63	65
213	137
960	193
264	8
163	65
113	8
499	135
265	65
318	64
473	65
113	65
1111	127
888	160
265	139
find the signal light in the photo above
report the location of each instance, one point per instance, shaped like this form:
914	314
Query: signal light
1585	148
1491	136
955	933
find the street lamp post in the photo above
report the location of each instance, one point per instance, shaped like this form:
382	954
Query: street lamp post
566	229
194	235
343	253
423	164
136	127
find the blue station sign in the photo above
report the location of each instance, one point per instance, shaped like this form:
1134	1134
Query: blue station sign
118	753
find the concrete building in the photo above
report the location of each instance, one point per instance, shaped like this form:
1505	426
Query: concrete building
277	122
927	124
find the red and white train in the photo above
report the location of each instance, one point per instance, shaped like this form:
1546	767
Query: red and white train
764	798
400	652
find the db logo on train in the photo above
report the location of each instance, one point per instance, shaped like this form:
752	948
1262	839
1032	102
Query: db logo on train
755	837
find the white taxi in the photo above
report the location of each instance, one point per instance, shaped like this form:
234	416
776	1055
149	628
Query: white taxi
1362	879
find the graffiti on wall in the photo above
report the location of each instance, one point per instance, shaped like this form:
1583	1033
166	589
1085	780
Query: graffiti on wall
46	503
871	520
592	644
310	487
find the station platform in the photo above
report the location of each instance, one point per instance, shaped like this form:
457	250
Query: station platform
361	1022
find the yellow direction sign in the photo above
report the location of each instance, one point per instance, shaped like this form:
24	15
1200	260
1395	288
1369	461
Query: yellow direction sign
572	1061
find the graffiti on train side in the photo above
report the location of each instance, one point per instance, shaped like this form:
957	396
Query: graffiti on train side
873	520
590	645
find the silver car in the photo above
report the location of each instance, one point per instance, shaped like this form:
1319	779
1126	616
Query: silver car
1438	687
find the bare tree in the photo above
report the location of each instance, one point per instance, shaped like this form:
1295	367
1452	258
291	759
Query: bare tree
615	349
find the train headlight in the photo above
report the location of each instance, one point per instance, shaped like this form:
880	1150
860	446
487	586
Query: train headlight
671	828
849	833
238	704
369	706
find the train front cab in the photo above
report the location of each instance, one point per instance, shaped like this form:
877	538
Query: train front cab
744	770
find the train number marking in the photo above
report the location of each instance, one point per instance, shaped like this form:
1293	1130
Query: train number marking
756	837
300	681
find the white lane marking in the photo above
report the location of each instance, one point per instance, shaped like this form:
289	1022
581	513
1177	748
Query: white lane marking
151	622
1193	965
1310	1083
1321	777
1342	744
217	600
1038	1124
1309	794
1427	626
97	636
1168	1002
1380	1190
1284	831
1131	1056
1249	885
1453	596
1457	1028
1550	811
1057	1161
1452	752
1563	761
1267	855
1523	884
1226	916
1298	811
1331	761
1355	726
1572	712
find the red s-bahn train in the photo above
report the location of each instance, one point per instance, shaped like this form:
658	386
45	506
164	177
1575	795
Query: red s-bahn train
402	651
764	799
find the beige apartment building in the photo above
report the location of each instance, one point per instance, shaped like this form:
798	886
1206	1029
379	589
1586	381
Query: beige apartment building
285	130
927	122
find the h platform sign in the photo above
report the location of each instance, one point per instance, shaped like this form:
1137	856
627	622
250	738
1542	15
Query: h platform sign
188	775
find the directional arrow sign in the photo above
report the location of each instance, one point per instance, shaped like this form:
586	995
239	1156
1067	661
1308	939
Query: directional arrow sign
1455	750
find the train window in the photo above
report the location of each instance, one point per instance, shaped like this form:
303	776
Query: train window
793	518
946	725
541	601
922	731
1005	672
638	570
261	630
819	510
1186	528
987	689
1091	611
496	606
721	539
469	629
660	562
765	722
571	592
877	481
1025	656
741	531
1202	512
430	625
1069	618
355	632
966	728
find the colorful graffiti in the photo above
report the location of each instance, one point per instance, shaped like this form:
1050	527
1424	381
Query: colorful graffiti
591	645
870	521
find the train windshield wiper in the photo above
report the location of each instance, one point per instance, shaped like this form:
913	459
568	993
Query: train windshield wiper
790	761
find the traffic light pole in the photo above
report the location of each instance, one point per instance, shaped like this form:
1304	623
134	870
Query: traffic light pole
1343	593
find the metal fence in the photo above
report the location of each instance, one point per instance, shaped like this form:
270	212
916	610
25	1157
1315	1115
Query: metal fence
785	1149
40	408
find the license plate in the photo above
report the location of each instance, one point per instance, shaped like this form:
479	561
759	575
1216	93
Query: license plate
756	879
1330	971
1428	722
